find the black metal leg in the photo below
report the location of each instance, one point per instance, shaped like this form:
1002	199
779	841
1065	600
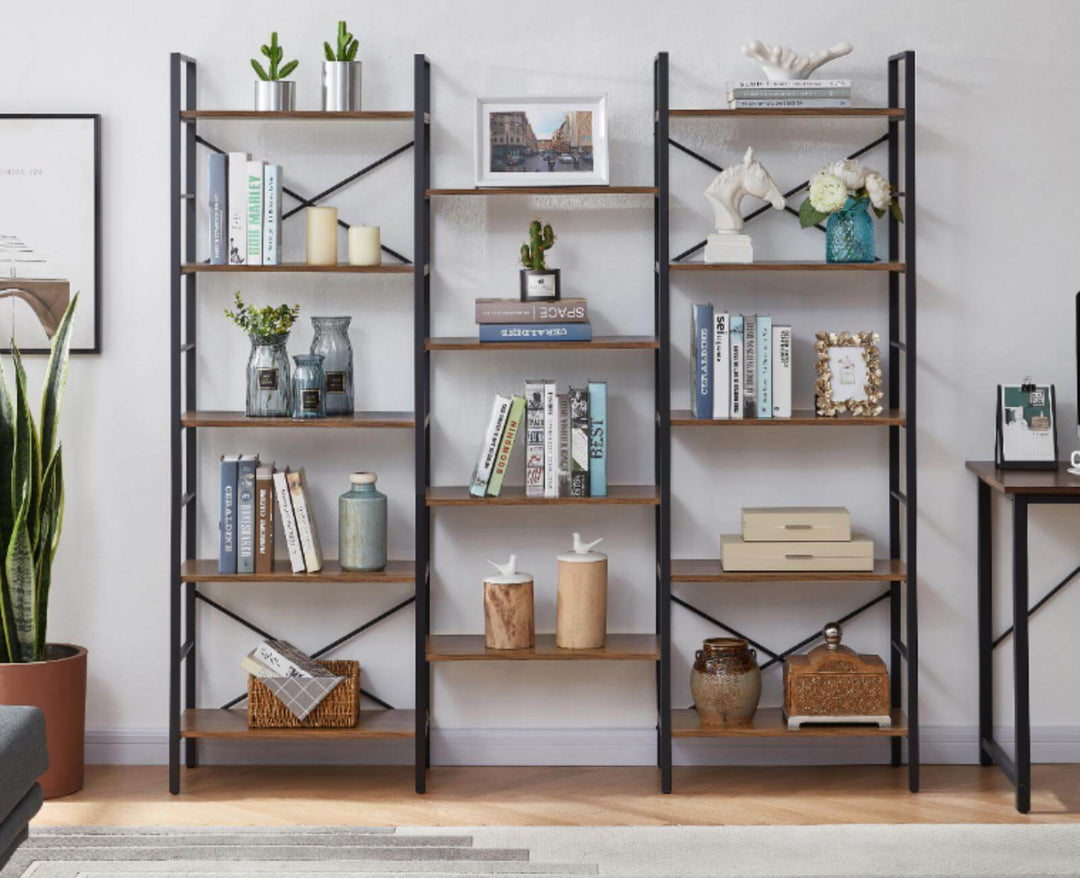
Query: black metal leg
986	621
191	753
174	690
1020	654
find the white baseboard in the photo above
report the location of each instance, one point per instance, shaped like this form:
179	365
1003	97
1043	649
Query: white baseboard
948	745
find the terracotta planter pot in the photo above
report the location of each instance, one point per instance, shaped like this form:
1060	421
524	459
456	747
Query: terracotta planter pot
57	687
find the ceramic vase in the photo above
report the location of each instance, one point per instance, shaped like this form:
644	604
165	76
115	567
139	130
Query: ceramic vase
725	681
362	525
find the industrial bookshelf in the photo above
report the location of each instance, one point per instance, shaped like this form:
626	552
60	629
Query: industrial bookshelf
898	570
189	723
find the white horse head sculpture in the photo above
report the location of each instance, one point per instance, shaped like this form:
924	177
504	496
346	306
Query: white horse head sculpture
726	192
781	63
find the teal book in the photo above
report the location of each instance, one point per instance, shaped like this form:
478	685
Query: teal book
764	366
598	432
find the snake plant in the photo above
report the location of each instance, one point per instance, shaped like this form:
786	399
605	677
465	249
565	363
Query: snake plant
32	503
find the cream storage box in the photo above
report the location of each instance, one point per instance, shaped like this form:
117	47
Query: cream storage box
796	524
739	554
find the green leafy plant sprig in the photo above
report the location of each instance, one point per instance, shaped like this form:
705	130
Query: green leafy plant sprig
265	321
274	53
347	45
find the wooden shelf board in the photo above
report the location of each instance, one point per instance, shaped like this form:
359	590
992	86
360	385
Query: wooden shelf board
1059	481
294	267
769	722
888	112
548	190
357	420
218	723
206	570
470	648
601	342
786	265
514	495
799	418
710	570
299	115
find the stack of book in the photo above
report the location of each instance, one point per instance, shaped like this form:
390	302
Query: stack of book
514	320
740	365
244	204
248	492
565	441
792	94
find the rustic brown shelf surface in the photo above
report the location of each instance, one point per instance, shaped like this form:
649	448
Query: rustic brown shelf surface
600	342
549	190
357	420
785	265
889	112
470	648
710	570
1059	481
295	267
206	570
799	418
299	115
514	495
218	723
769	722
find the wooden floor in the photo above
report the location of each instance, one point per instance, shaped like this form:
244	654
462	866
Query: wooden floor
336	795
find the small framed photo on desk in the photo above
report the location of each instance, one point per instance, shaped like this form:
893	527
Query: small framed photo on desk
1026	427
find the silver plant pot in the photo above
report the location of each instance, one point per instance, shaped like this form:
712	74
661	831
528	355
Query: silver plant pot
341	86
275	97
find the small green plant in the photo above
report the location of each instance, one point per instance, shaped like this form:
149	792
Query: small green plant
347	45
274	54
265	321
541	239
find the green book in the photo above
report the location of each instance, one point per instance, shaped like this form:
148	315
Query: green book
506	445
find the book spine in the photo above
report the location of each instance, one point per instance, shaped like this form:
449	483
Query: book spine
534	438
495	332
579	442
564	445
305	522
264	520
238	204
764	366
781	371
787	93
551	441
598	438
272	215
513	311
787	84
245	514
217	179
701	333
255	212
227	524
506	447
721	365
269	656
737	366
288	522
792	104
307	666
490	449
750	366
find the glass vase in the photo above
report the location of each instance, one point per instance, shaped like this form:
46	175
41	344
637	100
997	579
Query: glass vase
849	233
268	387
308	387
332	341
362	525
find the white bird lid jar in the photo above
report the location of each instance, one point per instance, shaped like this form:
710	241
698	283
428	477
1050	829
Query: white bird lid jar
583	552
508	574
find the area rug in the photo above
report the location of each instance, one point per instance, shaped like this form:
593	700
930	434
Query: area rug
630	852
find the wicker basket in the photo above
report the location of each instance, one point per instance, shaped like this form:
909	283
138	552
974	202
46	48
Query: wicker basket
339	710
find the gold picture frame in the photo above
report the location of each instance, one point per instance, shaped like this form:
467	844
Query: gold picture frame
849	377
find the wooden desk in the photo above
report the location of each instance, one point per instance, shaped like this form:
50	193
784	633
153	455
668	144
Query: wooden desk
1024	488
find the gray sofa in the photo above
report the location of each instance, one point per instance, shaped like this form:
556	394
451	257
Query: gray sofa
23	759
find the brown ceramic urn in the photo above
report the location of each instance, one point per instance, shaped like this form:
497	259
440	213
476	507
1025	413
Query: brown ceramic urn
726	681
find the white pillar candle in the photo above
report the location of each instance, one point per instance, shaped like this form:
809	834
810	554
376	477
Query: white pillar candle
322	236
364	245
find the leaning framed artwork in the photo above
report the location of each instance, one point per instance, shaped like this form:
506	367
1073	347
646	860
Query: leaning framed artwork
543	141
50	229
849	376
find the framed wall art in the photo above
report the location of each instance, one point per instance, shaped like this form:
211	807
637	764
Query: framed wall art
50	229
541	142
1026	435
849	377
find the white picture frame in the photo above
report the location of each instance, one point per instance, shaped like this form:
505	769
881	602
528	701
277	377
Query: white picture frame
520	155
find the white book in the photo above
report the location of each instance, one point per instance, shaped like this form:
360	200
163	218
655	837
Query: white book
489	451
737	365
790	103
288	521
276	661
271	215
551	441
238	203
534	437
721	365
305	521
255	212
790	83
781	371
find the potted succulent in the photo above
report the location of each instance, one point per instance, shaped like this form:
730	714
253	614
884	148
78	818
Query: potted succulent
273	92
49	676
538	282
268	381
341	73
840	196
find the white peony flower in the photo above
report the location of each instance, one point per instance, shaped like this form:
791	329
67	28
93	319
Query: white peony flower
877	187
849	171
827	192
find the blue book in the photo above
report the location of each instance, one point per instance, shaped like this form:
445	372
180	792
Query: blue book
217	206
598	438
245	513
701	343
227	524
764	366
535	332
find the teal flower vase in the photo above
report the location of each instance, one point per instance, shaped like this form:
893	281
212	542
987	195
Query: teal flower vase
849	233
362	525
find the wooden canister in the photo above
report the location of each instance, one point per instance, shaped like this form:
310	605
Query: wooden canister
509	621
581	603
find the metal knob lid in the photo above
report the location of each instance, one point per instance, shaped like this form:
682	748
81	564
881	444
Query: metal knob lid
833	632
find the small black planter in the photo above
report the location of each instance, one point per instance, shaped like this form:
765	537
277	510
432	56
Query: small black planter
540	285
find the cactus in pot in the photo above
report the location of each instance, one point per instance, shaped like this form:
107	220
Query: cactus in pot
273	92
341	73
541	239
538	282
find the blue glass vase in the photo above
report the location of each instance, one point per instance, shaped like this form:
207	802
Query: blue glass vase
268	383
332	341
849	233
308	387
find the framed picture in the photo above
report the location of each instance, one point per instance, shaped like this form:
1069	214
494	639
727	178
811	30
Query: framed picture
849	377
50	235
1026	426
541	142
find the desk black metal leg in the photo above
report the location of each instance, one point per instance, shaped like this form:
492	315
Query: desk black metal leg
1020	654
986	621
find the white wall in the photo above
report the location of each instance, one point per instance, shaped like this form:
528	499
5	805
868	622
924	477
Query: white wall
996	135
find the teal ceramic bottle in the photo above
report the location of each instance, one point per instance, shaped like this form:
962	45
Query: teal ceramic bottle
362	525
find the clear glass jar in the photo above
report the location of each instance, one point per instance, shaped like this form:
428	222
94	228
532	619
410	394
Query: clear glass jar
362	525
268	385
308	387
332	341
